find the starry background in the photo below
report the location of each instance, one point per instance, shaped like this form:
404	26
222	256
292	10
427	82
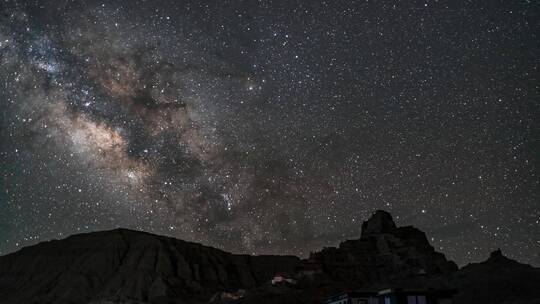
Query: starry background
272	127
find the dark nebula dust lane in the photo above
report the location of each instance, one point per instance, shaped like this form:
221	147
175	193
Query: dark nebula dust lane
271	127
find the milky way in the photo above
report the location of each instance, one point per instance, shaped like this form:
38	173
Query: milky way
271	127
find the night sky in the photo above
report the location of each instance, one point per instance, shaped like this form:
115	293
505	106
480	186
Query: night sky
272	127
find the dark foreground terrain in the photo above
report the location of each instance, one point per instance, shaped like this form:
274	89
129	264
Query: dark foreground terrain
125	266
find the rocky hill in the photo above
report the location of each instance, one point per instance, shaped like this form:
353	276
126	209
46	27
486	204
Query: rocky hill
125	266
384	253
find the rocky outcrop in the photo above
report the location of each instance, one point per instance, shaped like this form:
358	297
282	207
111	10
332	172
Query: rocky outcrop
384	253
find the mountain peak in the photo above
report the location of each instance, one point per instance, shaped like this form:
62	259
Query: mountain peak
497	257
380	222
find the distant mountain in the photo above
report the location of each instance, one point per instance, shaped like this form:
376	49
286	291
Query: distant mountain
125	266
497	280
